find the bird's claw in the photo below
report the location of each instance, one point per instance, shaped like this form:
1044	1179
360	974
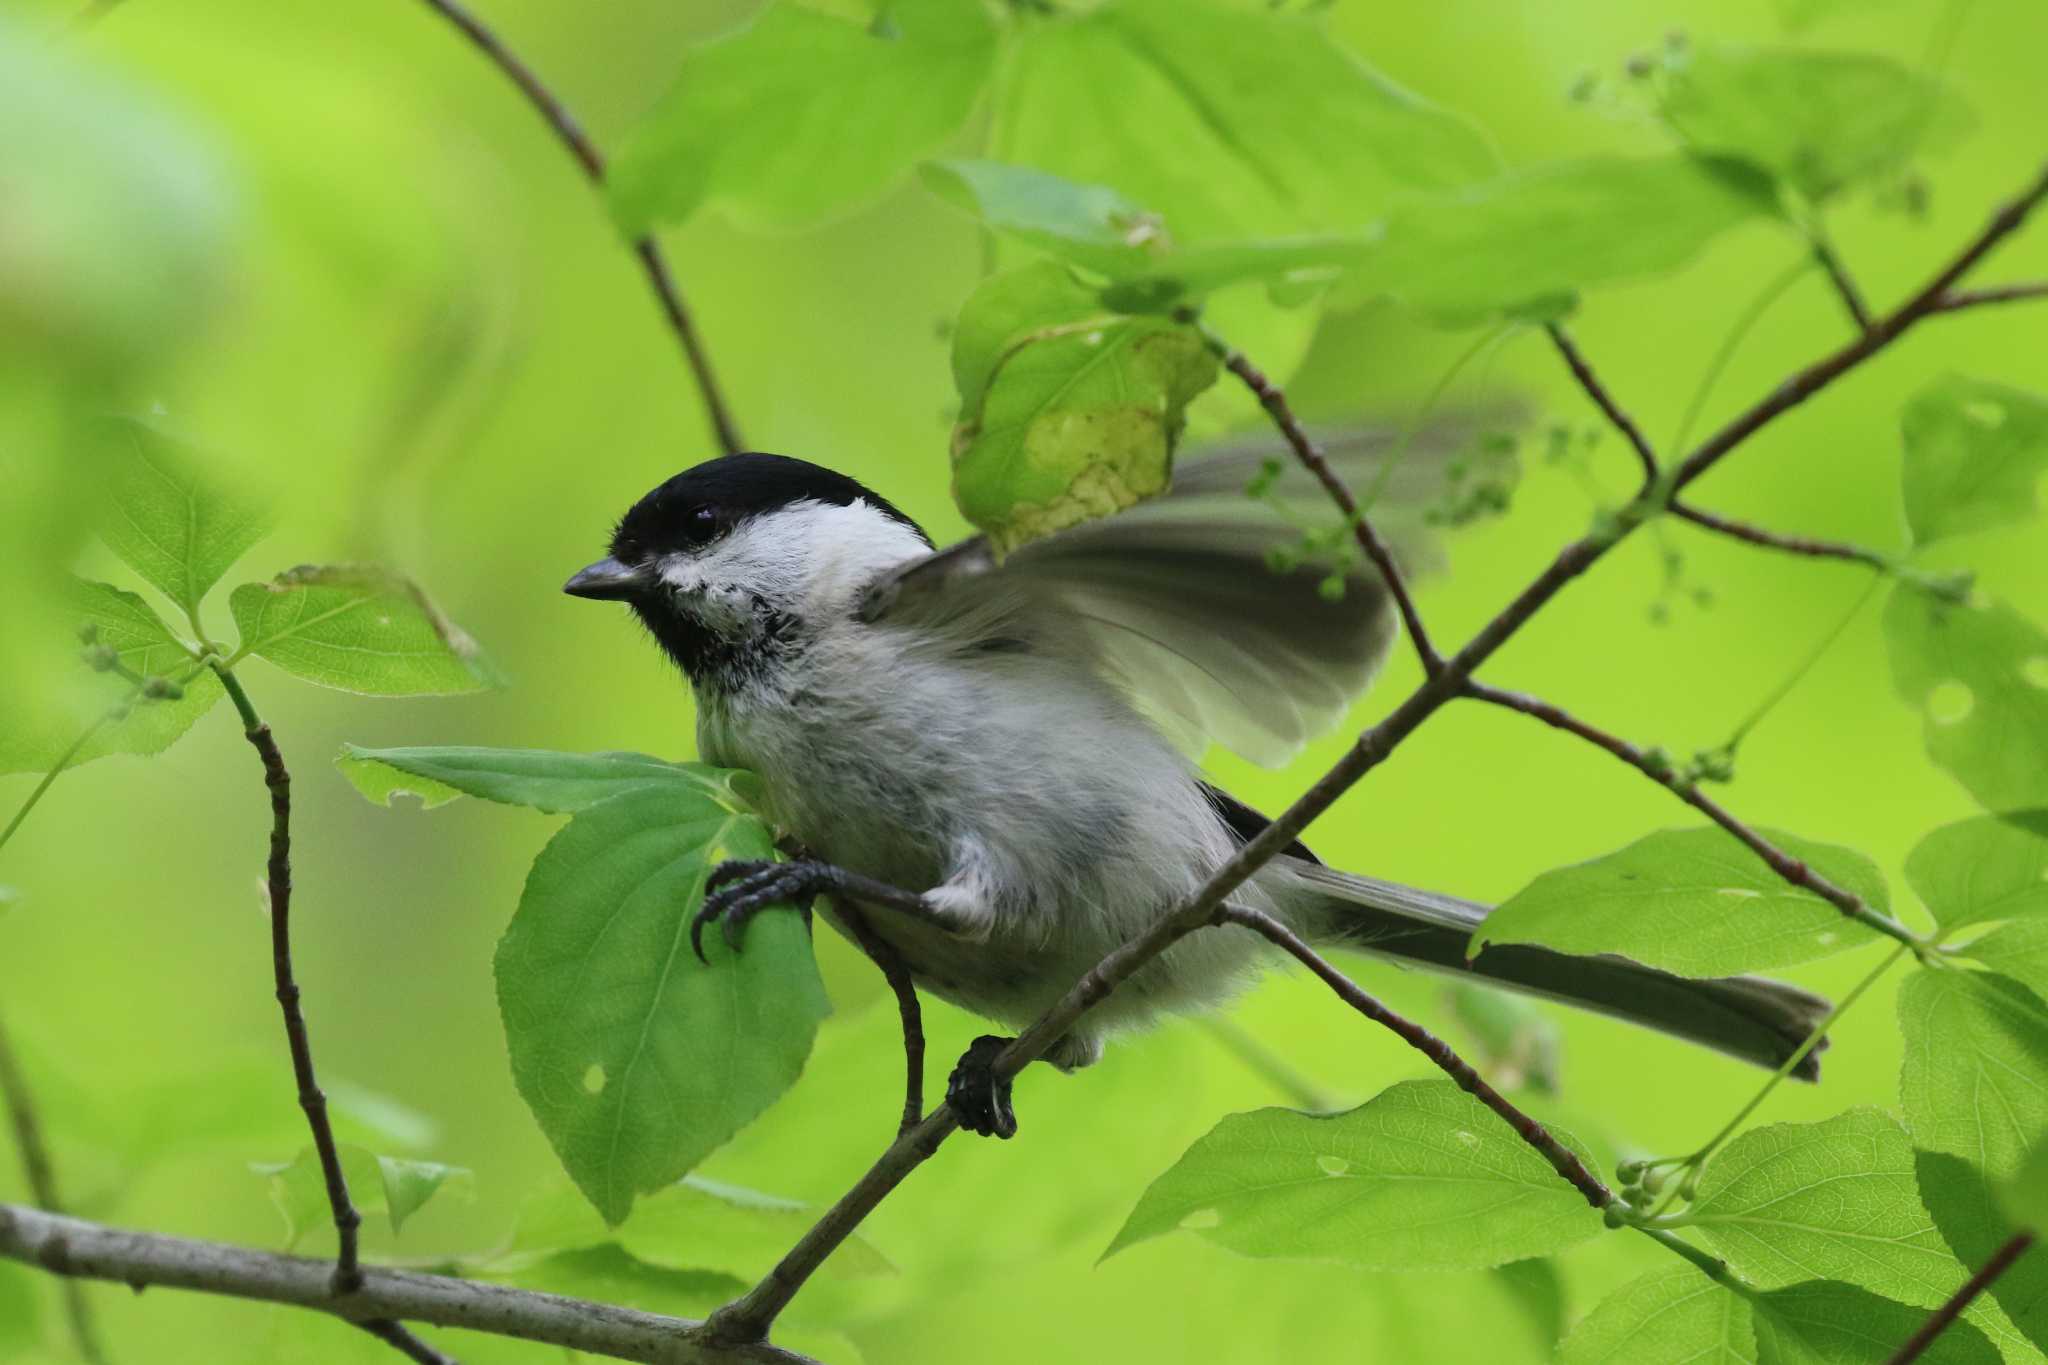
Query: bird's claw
976	1095
738	890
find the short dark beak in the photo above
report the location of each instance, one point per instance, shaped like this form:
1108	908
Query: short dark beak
606	581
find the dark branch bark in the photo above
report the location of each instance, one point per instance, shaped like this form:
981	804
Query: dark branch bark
41	1174
645	249
1602	399
2000	1262
348	1275
74	1247
1844	284
1773	540
1311	456
405	1343
897	973
1561	1158
1955	301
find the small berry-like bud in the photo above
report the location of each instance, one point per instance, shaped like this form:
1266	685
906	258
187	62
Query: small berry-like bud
1639	66
1331	589
89	632
1582	88
1653	1181
161	689
1630	1172
1689	1188
101	658
1615	1214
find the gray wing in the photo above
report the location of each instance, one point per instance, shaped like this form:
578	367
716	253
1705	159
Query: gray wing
1175	601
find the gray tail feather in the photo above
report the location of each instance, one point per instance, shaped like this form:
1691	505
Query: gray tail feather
1748	1017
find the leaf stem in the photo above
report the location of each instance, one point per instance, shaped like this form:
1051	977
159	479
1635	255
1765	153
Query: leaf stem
1776	540
1731	343
49	778
1268	1064
1798	674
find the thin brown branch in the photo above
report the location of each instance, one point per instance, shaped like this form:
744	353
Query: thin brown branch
645	249
348	1274
404	1342
1561	1158
1956	300
1844	284
41	1174
897	973
1774	540
93	1251
748	1317
1937	1323
1274	401
1616	416
1659	770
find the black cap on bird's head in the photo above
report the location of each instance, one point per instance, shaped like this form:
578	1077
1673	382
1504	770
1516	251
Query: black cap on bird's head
705	502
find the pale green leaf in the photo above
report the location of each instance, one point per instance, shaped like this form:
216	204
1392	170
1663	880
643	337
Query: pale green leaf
1518	1044
1538	1290
1671	1316
2026	1194
1527	242
1967	1209
1837	1200
1823	1322
2018	950
1068	411
1818	121
123	622
801	115
1697	902
559	783
1978	672
1975	455
1420	1177
166	518
636	1058
360	629
1989	868
397	1187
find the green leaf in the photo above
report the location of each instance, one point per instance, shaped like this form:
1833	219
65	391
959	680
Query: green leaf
360	629
1975	455
1527	242
1538	1290
2026	1194
1068	411
1837	1199
1825	1323
636	1058
695	1224
1989	868
1818	121
1968	1211
123	622
1667	1315
166	520
546	780
1420	1177
397	1187
608	1274
801	115
1696	902
2018	950
1979	674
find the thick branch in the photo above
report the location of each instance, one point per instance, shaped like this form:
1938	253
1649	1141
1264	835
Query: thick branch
1773	540
41	1174
1274	401
1561	1158
348	1275
1602	399
1792	870
897	973
748	1317
71	1246
652	263
2000	1262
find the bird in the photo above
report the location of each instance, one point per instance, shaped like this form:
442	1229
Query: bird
994	757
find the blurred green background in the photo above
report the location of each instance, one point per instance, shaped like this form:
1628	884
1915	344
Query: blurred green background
349	259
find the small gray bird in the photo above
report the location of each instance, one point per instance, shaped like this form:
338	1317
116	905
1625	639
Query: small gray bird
994	760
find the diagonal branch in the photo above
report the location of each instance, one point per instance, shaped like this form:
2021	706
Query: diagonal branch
1274	401
1660	771
645	249
1844	284
1956	300
2001	1261
1774	540
748	1317
41	1175
1602	399
93	1251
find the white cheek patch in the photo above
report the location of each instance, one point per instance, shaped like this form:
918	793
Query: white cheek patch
809	557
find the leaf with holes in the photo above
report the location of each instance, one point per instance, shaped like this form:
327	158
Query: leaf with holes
1697	902
1676	1314
1817	121
1068	411
1823	1322
1420	1177
1836	1199
1989	868
801	115
637	1059
124	623
360	629
1975	456
558	783
1978	672
166	519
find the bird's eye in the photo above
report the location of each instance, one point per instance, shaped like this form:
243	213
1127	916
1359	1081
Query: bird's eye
701	523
